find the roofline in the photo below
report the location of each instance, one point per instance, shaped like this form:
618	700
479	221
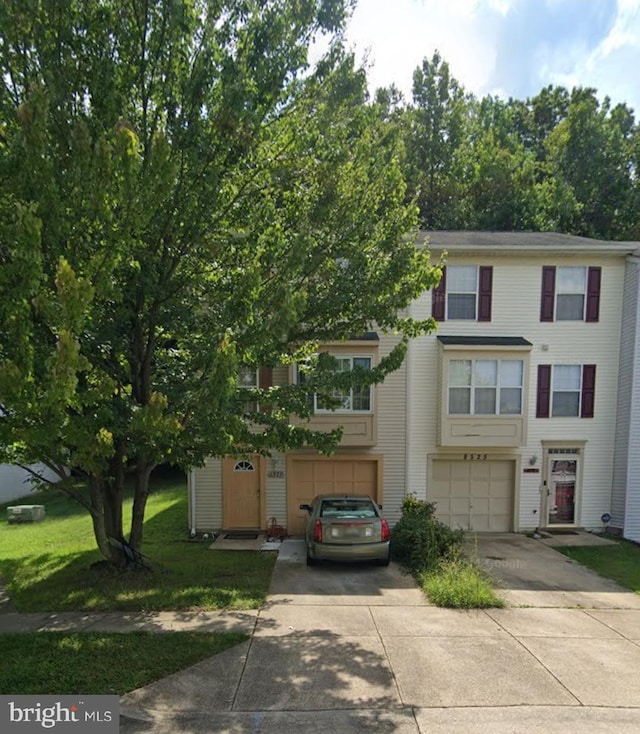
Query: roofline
523	242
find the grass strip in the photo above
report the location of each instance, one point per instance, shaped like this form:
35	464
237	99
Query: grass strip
620	562
459	584
59	663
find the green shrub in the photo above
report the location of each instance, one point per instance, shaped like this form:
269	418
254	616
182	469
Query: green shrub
419	541
459	584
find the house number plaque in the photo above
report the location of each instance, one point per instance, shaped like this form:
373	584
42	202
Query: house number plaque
475	457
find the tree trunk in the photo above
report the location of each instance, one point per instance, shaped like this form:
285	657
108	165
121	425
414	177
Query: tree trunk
143	472
103	522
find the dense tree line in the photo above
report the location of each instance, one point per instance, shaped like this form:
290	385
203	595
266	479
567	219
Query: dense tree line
562	160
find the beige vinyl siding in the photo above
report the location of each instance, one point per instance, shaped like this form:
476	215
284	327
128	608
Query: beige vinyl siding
277	488
628	363
626	500
281	375
208	496
516	312
390	410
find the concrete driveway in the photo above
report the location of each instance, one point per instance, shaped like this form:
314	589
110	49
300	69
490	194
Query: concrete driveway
531	573
357	648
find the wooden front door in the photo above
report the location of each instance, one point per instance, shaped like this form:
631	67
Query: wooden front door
241	492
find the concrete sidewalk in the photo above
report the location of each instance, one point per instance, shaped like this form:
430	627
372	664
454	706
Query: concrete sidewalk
354	649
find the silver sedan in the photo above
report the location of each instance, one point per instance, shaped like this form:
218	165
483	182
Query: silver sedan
346	528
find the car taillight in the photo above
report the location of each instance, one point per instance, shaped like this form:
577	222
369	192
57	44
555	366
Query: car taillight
317	532
386	533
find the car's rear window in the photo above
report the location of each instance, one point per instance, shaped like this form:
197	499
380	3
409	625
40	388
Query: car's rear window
347	508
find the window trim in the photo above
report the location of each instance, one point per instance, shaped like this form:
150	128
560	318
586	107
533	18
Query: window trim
577	390
343	411
483	293
251	406
548	296
451	292
582	293
498	387
544	391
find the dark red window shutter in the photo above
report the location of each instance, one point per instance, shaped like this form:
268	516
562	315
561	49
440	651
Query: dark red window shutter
544	391
593	294
265	381
439	298
548	296
265	378
588	390
484	293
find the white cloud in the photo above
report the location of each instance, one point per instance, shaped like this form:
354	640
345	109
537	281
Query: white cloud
505	47
400	35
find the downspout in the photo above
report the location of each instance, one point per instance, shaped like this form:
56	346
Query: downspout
408	416
191	484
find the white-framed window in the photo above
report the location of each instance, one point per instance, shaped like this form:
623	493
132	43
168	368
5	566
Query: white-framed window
248	380
486	386
571	289
357	399
566	390
462	292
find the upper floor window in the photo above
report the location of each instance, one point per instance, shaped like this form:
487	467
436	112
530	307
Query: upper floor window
566	390
464	294
485	386
248	380
570	294
353	399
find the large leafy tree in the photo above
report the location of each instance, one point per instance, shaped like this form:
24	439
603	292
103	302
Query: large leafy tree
182	196
435	130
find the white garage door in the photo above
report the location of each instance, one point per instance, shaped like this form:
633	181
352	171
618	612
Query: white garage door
310	477
473	495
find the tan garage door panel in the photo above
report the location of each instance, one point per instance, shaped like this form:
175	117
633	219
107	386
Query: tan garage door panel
310	477
474	495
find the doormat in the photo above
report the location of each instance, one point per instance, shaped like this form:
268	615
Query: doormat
561	532
241	535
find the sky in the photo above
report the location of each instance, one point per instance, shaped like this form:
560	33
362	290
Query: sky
508	48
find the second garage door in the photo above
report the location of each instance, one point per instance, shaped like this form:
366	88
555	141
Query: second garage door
308	477
473	495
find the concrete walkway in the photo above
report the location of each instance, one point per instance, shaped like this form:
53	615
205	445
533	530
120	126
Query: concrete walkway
357	648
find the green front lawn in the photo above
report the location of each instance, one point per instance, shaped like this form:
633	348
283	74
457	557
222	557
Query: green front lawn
47	566
620	562
59	663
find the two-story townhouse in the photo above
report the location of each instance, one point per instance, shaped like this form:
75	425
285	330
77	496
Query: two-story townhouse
625	502
247	492
506	417
512	403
